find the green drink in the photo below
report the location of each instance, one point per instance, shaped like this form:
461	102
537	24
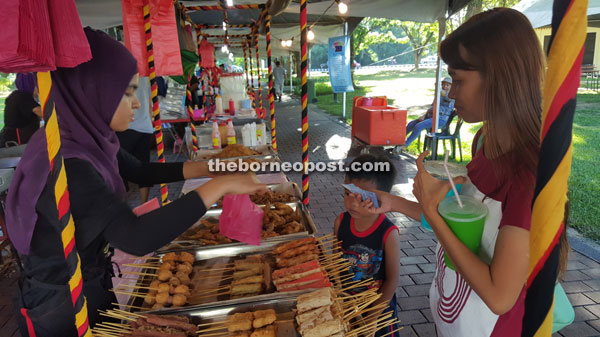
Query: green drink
467	222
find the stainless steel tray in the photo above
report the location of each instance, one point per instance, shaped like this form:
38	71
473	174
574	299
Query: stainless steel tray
217	256
266	153
289	188
178	245
284	307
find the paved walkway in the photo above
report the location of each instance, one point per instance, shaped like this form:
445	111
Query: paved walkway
329	140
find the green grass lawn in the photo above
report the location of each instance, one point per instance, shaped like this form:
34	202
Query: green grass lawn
584	183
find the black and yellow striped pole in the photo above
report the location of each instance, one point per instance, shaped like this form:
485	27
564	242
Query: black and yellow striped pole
259	97
304	65
160	148
246	64
58	178
271	89
569	26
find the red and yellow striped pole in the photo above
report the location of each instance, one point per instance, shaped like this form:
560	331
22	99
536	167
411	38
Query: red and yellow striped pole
58	177
271	89
160	148
251	73
304	65
569	26
259	97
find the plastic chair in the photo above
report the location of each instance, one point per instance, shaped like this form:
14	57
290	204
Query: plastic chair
432	140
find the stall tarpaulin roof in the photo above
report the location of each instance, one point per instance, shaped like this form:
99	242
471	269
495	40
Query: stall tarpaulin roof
539	12
107	13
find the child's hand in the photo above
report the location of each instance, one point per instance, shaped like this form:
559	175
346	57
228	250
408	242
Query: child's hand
429	190
386	201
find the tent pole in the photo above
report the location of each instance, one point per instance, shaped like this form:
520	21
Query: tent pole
304	66
259	97
271	94
344	95
438	83
160	148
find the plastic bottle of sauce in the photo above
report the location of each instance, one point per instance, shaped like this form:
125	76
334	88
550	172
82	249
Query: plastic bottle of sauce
230	132
231	107
218	105
216	136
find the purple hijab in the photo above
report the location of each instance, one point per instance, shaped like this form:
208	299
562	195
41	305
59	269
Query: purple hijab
25	82
86	98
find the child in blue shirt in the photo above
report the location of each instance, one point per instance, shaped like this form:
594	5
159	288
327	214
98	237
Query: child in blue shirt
371	242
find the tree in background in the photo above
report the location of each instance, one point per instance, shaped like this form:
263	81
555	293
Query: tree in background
421	36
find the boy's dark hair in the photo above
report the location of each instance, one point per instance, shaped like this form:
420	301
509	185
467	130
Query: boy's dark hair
383	179
277	63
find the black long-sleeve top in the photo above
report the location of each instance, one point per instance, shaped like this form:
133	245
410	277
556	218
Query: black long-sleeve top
103	218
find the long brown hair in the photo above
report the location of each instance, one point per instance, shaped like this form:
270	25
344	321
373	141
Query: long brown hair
501	44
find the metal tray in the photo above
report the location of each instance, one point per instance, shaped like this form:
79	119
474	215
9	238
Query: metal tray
213	257
266	153
178	245
289	188
284	307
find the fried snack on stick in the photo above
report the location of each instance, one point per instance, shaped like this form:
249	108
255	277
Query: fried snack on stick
296	260
241	334
187	257
238	275
315	299
249	280
311	315
246	265
239	322
269	331
312	248
263	318
325	329
243	289
170	257
293	244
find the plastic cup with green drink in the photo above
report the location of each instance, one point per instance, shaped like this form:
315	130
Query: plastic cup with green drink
436	169
466	222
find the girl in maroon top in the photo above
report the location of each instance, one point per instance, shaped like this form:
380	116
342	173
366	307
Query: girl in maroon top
497	68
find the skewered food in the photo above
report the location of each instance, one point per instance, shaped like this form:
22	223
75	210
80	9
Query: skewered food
161	326
244	289
318	298
187	257
269	331
263	318
164	275
150	298
296	260
179	300
250	279
247	265
239	322
325	329
293	244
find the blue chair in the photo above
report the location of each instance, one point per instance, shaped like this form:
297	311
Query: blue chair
432	140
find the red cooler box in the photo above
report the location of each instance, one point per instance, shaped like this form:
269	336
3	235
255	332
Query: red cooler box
379	125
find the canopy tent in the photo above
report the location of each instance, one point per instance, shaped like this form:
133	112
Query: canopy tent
539	12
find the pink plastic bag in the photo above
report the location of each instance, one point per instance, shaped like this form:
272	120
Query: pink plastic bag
241	219
146	207
167	57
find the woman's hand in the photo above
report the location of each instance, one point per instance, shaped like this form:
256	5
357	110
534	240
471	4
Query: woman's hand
215	188
428	190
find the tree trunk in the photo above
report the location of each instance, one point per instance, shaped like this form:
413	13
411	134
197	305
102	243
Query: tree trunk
417	58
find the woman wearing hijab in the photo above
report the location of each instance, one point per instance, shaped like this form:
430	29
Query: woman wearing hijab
89	112
21	112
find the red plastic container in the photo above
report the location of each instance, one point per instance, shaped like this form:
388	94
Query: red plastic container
366	101
379	125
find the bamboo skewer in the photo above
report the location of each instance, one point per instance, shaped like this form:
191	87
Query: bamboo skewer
372	325
134	287
213	277
225	333
217	328
141	266
116	291
137	273
129	306
391	332
210	323
145	258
